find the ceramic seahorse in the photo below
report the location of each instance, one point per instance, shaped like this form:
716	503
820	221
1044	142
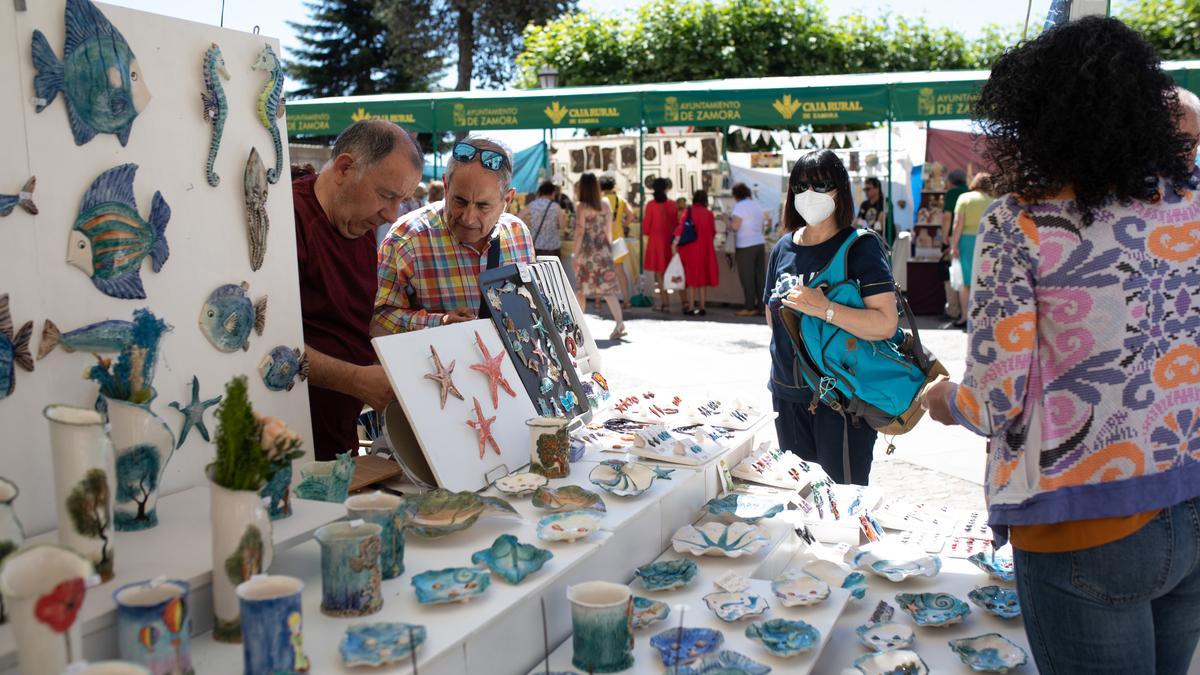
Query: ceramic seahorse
215	107
270	105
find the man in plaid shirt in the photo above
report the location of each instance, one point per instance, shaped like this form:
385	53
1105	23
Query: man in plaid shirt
430	261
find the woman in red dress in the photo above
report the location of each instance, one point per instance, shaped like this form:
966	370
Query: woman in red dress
699	257
658	226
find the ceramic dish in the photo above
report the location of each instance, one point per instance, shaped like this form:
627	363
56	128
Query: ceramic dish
439	512
453	584
568	525
567	498
379	644
856	583
990	653
684	645
998	567
885	636
625	479
735	507
667	575
933	609
647	611
725	663
783	637
894	662
997	600
511	560
892	561
800	590
731	541
520	484
731	607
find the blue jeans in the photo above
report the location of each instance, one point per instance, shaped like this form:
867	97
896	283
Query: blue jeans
1130	606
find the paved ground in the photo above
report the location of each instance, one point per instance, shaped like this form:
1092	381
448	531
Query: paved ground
728	356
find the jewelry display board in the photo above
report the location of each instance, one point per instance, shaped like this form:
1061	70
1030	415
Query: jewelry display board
568	317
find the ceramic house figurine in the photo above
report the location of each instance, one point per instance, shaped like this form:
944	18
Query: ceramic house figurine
83	464
12	535
44	587
154	624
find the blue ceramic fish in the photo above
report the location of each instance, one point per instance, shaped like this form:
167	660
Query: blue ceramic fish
99	76
23	199
280	367
101	337
14	348
228	316
110	240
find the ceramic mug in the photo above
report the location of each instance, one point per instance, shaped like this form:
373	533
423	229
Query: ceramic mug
350	575
272	625
153	625
386	511
602	623
550	447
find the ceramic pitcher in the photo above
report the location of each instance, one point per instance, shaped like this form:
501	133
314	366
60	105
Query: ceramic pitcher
602	621
12	535
242	547
153	625
550	447
83	470
45	587
142	446
279	491
272	625
386	511
350	576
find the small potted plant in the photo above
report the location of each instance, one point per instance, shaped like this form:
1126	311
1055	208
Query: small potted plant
282	447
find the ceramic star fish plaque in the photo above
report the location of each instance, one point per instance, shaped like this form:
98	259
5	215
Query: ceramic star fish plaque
491	370
483	426
193	413
444	377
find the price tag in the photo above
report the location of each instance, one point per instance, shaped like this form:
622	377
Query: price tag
357	522
732	582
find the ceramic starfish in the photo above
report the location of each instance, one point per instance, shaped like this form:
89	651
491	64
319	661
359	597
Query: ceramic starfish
491	368
483	426
444	377
193	413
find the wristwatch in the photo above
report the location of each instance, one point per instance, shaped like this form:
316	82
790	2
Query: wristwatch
829	313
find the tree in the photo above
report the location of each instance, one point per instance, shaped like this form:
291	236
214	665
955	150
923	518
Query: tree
137	478
1172	26
89	511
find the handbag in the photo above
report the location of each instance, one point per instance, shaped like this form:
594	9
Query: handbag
689	230
620	249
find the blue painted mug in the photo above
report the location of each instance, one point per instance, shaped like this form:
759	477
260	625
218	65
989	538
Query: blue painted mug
386	511
350	576
153	625
272	625
602	622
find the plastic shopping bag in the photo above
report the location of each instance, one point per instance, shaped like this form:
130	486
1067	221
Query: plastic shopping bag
956	274
674	280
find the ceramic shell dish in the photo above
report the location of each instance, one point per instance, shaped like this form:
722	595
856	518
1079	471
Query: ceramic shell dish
647	611
625	479
569	525
725	663
510	559
997	601
894	562
997	567
453	584
800	590
894	662
520	484
990	653
684	645
667	575
732	541
933	609
567	498
885	636
379	644
731	607
735	507
783	637
438	513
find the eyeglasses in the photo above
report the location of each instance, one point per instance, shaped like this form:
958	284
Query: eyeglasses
815	186
490	159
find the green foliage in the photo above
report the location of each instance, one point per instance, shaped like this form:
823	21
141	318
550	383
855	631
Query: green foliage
1172	26
241	462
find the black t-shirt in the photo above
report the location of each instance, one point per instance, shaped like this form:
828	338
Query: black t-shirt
871	213
791	265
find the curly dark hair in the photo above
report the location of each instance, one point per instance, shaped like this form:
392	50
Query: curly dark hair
1085	106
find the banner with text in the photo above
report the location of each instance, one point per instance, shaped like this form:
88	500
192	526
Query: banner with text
935	100
328	119
767	107
541	112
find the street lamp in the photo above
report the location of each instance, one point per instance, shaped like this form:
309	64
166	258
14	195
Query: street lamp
548	77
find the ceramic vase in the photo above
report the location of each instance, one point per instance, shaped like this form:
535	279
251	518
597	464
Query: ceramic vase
279	490
12	535
142	445
83	470
386	511
153	625
350	576
602	622
241	546
550	447
45	587
272	625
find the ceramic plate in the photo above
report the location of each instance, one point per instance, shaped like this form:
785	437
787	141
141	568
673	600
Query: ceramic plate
732	607
667	575
732	541
379	644
439	512
991	653
567	498
725	663
892	561
511	560
625	479
453	584
895	662
856	583
568	525
800	590
885	636
520	484
783	637
684	645
647	611
933	609
997	567
997	600
735	507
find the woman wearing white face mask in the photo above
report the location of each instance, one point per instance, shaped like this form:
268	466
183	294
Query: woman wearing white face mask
818	217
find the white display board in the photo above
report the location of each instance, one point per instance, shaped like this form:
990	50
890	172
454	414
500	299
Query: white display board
206	233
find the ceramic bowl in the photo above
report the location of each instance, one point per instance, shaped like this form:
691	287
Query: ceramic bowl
625	479
731	541
667	575
933	609
569	525
453	584
511	560
894	662
997	567
997	600
725	663
439	512
800	590
857	584
735	507
783	637
520	484
647	611
885	636
731	607
892	561
990	653
567	498
379	644
684	645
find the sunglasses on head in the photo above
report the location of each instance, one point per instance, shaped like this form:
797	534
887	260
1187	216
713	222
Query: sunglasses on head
490	159
821	186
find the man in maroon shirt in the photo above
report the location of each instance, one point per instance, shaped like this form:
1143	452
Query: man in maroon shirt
376	165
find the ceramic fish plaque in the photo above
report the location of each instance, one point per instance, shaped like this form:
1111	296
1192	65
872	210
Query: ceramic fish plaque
257	224
14	348
99	77
228	316
280	367
102	337
23	199
109	239
270	104
216	109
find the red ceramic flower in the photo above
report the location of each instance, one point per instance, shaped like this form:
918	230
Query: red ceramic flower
59	607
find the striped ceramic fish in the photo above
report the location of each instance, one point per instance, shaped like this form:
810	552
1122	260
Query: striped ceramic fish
14	348
110	240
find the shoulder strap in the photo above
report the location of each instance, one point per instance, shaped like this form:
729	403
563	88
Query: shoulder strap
838	269
537	233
